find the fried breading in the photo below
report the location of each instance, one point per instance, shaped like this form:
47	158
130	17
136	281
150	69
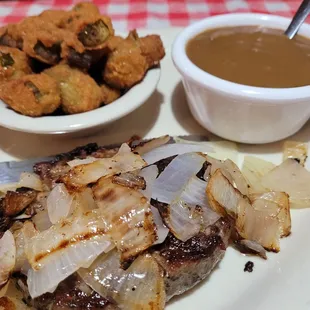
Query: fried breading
86	8
126	66
109	94
32	95
79	92
13	64
152	49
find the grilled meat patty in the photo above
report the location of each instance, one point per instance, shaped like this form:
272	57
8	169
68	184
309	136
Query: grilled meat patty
185	264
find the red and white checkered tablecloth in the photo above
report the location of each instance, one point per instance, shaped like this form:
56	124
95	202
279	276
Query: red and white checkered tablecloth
129	14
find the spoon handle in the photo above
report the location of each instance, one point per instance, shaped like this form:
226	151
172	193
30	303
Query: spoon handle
299	18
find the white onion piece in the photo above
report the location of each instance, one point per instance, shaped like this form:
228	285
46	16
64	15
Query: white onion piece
253	170
295	150
281	211
291	178
161	229
7	256
221	149
84	161
259	224
168	150
149	174
123	161
47	245
176	175
68	261
146	147
59	203
128	216
26	179
254	247
222	196
190	212
141	286
41	220
30	180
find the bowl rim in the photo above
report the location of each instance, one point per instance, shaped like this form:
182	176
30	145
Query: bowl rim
130	101
194	73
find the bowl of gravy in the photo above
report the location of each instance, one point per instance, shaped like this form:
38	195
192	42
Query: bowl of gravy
244	79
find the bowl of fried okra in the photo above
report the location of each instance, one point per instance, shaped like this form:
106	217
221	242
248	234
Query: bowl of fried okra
66	71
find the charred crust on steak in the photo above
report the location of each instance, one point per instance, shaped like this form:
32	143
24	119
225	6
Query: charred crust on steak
177	252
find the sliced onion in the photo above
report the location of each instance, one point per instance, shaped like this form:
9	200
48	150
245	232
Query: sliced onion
295	150
47	245
27	179
130	179
84	161
176	175
148	146
7	256
123	161
222	196
66	262
141	286
282	211
190	212
26	232
253	170
252	247
128	217
169	150
41	220
161	228
291	178
259	224
231	171
30	180
221	149
149	174
59	203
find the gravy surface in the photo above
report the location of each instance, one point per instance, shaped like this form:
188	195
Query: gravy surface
252	56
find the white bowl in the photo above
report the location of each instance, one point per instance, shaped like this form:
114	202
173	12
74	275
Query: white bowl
238	112
88	121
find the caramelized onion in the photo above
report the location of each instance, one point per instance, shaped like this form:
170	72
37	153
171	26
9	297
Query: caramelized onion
295	150
123	161
291	178
128	217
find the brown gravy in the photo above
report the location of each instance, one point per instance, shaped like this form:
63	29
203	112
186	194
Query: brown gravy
252	56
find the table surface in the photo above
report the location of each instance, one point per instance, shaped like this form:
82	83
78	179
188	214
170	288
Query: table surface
129	14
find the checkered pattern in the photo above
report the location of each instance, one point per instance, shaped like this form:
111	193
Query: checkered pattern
129	14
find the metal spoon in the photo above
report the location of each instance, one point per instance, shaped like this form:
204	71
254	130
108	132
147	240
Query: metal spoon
300	16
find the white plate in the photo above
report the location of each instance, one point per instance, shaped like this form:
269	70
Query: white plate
281	282
89	121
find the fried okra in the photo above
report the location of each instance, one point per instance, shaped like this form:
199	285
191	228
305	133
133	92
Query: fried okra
152	49
32	95
109	94
13	64
79	92
125	66
131	58
86	7
92	30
